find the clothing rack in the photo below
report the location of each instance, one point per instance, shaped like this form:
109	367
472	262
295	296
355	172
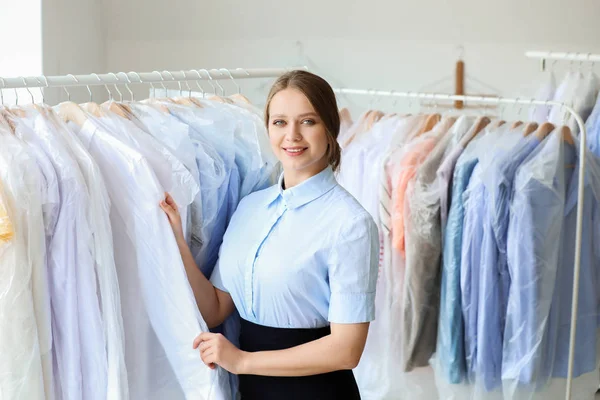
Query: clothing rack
582	155
552	55
562	56
125	78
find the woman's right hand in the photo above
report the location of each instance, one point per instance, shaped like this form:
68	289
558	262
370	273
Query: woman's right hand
170	208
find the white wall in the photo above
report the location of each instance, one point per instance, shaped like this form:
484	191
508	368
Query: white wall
21	56
402	45
74	40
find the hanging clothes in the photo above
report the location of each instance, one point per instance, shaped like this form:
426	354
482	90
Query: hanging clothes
23	325
451	213
104	309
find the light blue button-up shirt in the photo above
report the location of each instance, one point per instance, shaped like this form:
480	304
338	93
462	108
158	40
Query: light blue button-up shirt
301	257
494	280
533	244
589	282
450	345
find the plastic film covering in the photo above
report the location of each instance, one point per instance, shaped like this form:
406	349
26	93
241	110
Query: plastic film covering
21	265
79	345
377	373
579	90
212	136
535	350
159	312
176	137
450	359
109	294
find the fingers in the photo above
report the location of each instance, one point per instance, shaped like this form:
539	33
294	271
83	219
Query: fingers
168	205
197	341
209	358
203	337
205	342
170	201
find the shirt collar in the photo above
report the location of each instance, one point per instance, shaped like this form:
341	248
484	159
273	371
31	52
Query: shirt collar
307	191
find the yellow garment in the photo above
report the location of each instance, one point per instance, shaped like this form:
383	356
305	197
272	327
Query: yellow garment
6	227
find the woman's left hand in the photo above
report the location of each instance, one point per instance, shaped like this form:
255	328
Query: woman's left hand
215	349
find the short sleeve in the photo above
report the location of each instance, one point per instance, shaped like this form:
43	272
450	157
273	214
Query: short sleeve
216	278
353	272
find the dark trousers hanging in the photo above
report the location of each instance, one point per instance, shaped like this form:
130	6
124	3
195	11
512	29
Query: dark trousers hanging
338	385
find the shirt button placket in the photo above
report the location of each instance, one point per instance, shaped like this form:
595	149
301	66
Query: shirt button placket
249	278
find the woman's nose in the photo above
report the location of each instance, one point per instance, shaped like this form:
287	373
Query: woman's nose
293	133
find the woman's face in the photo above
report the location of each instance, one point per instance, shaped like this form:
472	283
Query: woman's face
298	136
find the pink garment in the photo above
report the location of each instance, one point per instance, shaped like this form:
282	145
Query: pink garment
407	169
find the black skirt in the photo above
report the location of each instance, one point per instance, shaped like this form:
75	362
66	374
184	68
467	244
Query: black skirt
330	386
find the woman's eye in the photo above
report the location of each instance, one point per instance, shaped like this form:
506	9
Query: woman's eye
308	122
278	122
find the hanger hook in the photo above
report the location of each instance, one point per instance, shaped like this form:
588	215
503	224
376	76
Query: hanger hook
198	82
173	79
217	83
41	88
90	92
210	80
232	78
110	96
247	73
535	106
116	87
127	84
394	98
65	87
220	86
517	101
186	84
141	81
27	88
162	80
571	63
139	78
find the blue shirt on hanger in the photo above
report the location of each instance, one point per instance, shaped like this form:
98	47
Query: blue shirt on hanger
535	226
301	257
589	292
450	346
494	280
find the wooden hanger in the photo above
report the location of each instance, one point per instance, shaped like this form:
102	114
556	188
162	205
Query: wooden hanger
431	121
374	117
72	112
498	123
567	136
345	115
93	108
544	130
516	124
188	101
4	120
530	128
120	109
479	125
240	98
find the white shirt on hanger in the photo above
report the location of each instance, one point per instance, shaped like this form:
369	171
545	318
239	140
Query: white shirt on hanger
159	310
79	342
117	386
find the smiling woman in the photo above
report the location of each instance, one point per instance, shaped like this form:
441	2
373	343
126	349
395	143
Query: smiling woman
303	123
298	262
